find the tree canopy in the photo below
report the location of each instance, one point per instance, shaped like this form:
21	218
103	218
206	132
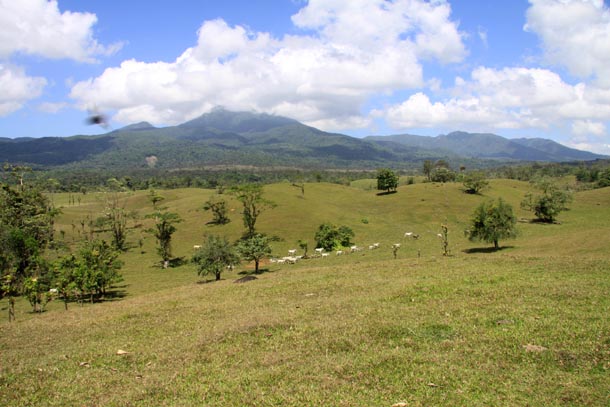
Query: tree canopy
550	203
492	221
387	180
214	256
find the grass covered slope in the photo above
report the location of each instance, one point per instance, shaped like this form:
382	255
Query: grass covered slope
526	325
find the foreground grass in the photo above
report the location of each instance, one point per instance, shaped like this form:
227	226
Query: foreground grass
527	325
450	331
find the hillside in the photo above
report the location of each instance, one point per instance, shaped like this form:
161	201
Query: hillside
491	146
223	138
526	325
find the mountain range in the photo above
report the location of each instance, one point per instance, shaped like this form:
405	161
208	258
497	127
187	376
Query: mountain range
228	138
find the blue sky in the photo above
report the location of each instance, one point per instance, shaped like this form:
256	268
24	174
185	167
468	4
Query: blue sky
517	68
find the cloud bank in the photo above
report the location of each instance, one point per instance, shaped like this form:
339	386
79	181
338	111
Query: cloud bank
346	53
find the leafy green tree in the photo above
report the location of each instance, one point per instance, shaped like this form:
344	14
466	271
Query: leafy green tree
330	237
427	169
387	180
251	197
475	182
26	229
254	249
442	174
214	256
492	221
218	207
65	277
98	268
551	202
165	226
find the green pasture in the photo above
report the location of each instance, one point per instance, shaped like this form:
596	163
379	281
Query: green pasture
525	325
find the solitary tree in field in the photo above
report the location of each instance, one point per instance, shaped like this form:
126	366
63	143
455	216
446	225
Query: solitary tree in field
218	207
214	256
475	182
251	197
492	221
165	226
254	249
550	203
387	180
427	169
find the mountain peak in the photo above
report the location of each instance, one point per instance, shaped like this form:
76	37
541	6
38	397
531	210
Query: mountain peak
238	122
138	126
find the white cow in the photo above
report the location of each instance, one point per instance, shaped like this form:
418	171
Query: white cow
292	252
196	247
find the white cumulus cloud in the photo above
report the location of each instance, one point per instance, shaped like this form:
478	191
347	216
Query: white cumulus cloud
37	27
509	98
574	34
17	88
346	53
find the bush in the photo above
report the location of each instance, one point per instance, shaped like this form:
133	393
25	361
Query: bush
549	204
331	237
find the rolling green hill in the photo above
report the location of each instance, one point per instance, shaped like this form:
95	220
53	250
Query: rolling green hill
526	325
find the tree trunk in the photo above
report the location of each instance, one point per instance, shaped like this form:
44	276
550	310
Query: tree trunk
11	309
496	246
217	276
255	266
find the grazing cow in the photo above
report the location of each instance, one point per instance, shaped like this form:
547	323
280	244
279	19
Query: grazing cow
324	255
292	252
196	247
339	252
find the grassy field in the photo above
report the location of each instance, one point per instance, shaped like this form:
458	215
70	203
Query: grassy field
526	325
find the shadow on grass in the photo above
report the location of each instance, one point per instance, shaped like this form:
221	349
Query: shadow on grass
253	273
114	295
486	249
208	281
386	193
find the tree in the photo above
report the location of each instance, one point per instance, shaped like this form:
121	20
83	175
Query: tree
97	268
155	198
387	180
304	246
550	203
254	249
427	169
163	230
214	256
88	273
218	206
26	229
442	174
251	197
331	237
492	221
115	215
475	182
